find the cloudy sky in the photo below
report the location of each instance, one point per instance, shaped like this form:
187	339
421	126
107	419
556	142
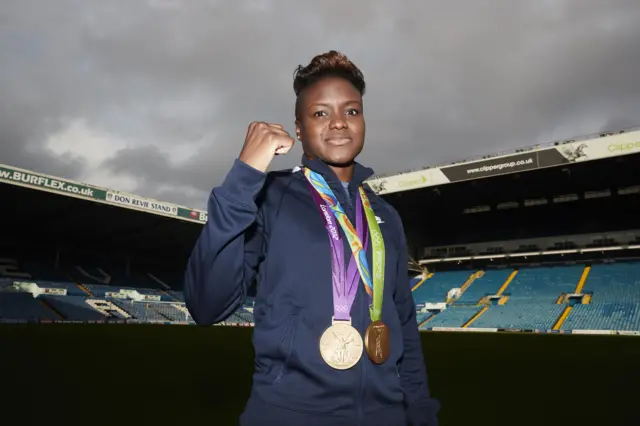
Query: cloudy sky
154	97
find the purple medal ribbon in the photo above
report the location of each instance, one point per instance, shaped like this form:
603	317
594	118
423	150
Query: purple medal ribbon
345	283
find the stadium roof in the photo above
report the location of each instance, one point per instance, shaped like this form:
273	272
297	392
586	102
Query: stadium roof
42	182
554	154
38	209
589	197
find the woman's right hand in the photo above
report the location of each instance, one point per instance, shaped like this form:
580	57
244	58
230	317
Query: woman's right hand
263	142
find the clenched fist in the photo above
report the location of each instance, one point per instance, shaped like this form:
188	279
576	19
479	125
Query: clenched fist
263	142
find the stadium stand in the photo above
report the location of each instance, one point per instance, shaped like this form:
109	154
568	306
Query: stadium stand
614	282
520	316
543	284
73	308
489	283
622	316
439	285
32	291
23	307
535	298
452	317
549	247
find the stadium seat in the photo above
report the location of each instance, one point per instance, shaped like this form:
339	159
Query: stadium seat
172	312
435	289
73	308
421	316
452	317
543	284
531	302
488	284
140	310
42	273
524	316
619	316
23	306
614	282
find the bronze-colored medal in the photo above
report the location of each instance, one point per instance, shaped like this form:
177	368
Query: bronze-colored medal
377	342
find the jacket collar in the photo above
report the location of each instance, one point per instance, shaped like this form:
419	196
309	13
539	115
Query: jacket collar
360	172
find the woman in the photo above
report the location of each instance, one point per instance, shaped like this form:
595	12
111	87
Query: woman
335	336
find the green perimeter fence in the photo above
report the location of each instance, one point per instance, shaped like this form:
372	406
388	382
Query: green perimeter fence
187	375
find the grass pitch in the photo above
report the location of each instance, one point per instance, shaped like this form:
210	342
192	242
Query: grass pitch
166	375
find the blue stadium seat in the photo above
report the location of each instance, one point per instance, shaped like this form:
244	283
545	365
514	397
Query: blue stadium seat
452	317
74	308
615	302
171	312
43	274
421	316
140	310
23	306
619	316
488	284
101	290
435	289
525	316
85	285
544	284
614	282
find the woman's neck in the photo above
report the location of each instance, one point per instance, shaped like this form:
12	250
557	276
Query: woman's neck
345	174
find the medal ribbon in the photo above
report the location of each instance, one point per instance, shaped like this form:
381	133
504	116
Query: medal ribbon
374	285
345	283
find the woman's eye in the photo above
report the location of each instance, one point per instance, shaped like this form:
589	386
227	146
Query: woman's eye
352	111
319	114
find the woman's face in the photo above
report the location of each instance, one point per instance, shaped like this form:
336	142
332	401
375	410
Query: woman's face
330	121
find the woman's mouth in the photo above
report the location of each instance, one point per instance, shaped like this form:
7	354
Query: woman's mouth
338	141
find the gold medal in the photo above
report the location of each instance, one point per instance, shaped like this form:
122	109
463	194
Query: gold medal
341	345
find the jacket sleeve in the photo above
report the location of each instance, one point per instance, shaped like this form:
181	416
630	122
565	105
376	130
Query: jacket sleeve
421	408
226	256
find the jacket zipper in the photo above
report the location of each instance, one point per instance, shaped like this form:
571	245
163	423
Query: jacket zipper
363	311
364	365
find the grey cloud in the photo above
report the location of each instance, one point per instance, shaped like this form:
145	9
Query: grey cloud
446	80
128	161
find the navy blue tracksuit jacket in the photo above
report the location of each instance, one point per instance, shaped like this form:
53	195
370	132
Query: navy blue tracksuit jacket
266	227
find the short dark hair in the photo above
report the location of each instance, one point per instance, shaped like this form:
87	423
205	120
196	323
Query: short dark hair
329	64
